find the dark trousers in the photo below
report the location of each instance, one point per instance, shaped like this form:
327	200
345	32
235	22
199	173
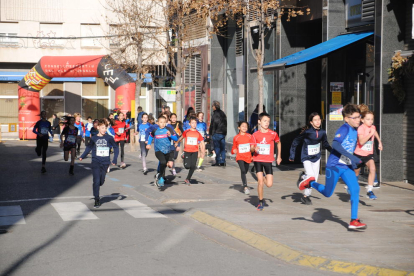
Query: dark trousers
244	169
41	148
121	145
190	161
99	173
220	148
87	139
163	158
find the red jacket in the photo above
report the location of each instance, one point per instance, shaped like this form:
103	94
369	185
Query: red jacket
120	127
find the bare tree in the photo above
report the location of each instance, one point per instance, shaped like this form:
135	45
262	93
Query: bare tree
262	15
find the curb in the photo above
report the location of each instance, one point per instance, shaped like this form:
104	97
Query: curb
290	255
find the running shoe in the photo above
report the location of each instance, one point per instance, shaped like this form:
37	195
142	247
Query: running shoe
71	170
161	182
123	165
109	169
347	190
182	155
187	182
260	206
43	170
156	183
199	169
357	224
157	175
145	171
301	176
305	183
376	185
97	203
174	172
246	191
214	155
306	200
371	195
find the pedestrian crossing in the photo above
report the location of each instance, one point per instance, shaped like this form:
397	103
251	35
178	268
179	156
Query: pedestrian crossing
74	211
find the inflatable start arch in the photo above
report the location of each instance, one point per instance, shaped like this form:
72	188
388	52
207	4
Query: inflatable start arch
50	67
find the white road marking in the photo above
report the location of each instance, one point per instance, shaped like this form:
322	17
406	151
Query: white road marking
57	198
73	211
138	209
10	215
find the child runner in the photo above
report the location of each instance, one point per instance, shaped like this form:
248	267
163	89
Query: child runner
143	137
202	128
71	133
99	145
365	149
88	128
341	163
263	144
311	136
94	130
178	128
81	127
241	147
120	135
41	129
193	140
162	142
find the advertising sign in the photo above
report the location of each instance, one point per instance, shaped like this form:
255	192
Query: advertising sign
335	112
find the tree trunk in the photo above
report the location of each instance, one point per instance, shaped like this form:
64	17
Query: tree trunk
178	83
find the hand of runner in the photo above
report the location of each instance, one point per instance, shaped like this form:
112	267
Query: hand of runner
80	159
380	146
291	160
278	160
148	147
168	133
177	148
256	149
235	151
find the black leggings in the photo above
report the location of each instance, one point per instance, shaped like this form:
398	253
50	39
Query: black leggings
121	144
163	158
190	161
244	169
41	148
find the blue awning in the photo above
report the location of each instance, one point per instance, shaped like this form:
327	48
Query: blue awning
18	76
316	51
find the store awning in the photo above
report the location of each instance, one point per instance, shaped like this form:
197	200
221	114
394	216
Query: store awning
316	51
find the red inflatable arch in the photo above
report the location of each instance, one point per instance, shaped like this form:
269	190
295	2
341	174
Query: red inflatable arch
78	66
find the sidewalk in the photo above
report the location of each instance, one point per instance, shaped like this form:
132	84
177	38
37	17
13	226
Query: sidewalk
303	232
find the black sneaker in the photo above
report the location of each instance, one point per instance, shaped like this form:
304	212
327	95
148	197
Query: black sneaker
43	170
301	174
306	200
97	203
71	170
376	186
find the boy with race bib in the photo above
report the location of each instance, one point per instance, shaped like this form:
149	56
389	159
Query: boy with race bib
41	129
341	163
72	134
241	147
365	148
263	144
311	136
100	146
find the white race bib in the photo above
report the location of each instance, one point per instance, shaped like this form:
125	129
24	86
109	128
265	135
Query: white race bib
121	130
367	146
264	149
71	139
345	160
102	151
202	133
142	139
44	130
191	141
244	148
314	149
90	127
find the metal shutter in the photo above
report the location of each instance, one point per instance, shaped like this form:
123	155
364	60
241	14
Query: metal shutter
192	78
408	130
368	10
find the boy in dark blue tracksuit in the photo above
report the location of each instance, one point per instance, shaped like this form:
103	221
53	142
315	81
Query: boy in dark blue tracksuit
41	129
162	142
341	163
100	146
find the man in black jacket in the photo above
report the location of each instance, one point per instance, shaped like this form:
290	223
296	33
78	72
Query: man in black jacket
218	131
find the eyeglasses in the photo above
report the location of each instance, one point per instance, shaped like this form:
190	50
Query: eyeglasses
354	118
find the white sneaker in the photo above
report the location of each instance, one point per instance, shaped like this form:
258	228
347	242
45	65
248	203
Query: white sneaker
109	169
123	165
214	155
246	191
199	169
174	172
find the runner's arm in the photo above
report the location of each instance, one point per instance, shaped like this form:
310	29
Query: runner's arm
116	149
326	144
295	143
379	140
88	149
338	147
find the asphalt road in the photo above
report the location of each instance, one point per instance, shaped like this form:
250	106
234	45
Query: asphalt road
48	225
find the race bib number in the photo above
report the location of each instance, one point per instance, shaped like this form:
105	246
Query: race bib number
244	148
264	149
142	138
121	130
191	141
345	160
367	146
314	149
44	130
202	133
102	151
71	139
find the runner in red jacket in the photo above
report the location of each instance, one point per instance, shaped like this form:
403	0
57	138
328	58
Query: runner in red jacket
120	128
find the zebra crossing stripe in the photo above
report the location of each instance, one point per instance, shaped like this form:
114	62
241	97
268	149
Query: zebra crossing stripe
69	211
138	209
10	215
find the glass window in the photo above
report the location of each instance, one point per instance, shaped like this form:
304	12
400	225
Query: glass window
53	89
88	31
53	106
100	88
9	111
144	89
97	109
8	89
52	30
8	33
